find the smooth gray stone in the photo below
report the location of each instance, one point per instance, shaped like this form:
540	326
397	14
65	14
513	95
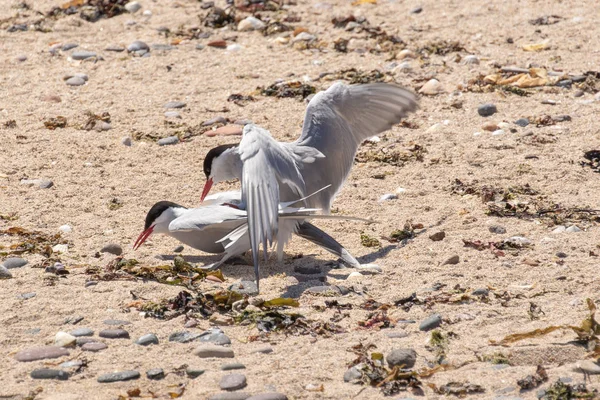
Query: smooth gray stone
352	374
172	114
82	332
73	320
71	364
214	335
169	140
500	230
178	249
522	122
216	120
233	382
404	358
112	248
114	334
230	396
232	366
148	339
431	322
75	81
175	104
94	346
82	55
40	353
69	46
485	110
5	273
118	376
268	396
194	372
84	340
183	337
14	262
27	296
209	351
116	322
45	373
264	350
117	49
137	46
155	374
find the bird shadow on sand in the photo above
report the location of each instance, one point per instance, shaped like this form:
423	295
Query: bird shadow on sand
240	268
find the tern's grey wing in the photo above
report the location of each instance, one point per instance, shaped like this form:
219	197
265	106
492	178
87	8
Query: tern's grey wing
199	219
337	121
231	197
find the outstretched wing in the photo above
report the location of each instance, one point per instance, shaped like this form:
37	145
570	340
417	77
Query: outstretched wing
337	121
197	219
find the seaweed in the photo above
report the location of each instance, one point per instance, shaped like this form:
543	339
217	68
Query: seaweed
535	380
288	89
55	122
369	241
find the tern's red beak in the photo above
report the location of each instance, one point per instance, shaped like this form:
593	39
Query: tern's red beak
207	187
142	238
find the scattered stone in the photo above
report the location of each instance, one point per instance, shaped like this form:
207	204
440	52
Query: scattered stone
82	55
65	228
41	183
192	323
403	358
480	292
431	322
396	335
432	87
250	24
126	141
71	364
214	335
175	104
91	283
5	273
178	249
114	334
219	44
118	376
233	382
200	47
193	372
561	254
268	396
14	262
27	296
489	126
83	340
216	120
227	130
209	351
485	110
497	229
138	46
578	93
183	337
559	229
244	287
230	396
147	340
155	374
82	332
94	346
406	53
45	373
75	81
388	197
63	339
232	366
471	60
21	58
169	140
112	248
264	350
116	49
308	269
116	322
438	236
133	7
573	229
352	374
172	114
416	10
452	261
40	353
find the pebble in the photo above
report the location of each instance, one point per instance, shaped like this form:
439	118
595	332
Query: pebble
431	322
82	332
500	230
82	55
94	346
65	228
194	372
589	367
169	140
352	374
45	373
232	366
573	229
403	358
396	335
304	37
40	353
233	382
83	340
561	254
178	249
126	141
71	364
214	335
147	340
69	46
485	110
14	262
118	376
91	283
307	269
155	374
219	44
41	183
250	24
489	126
355	275
216	120
234	47
147	13
416	10
438	236
75	81
264	350
183	337
387	197
471	60
63	339
5	273
162	47
138	46
214	351
229	396
480	292
114	334
116	49
323	290
432	88
175	104
172	114
404	54
200	47
268	396
27	296
244	287
452	260
192	323
559	229
578	93
115	322
133	7
112	248
227	130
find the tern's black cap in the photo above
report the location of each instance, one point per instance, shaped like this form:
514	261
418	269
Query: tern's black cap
212	154
157	210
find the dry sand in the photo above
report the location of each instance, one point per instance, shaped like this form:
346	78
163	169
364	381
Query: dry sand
89	168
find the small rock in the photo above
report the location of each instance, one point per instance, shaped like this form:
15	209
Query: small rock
21	58
214	351
172	114
116	322
431	322
233	382
214	335
94	346
75	81
114	334
387	197
82	55
559	229
219	44
404	54
355	275
396	335
304	37
175	104
126	141
65	228
27	296
489	126
250	24
232	366
485	110
178	249
438	236
112	248
137	46
183	337
416	10
573	229
133	7
192	323
155	374
471	60
268	396
5	273
497	229
403	358
311	269
14	262
40	353
229	396
480	292
169	140
45	373
194	372
561	254
41	183
432	87
244	287
452	261
352	374
147	13
116	49
63	339
147	340
227	130
588	367
118	376
91	283
85	339
82	332
264	350
578	93
234	47
216	120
